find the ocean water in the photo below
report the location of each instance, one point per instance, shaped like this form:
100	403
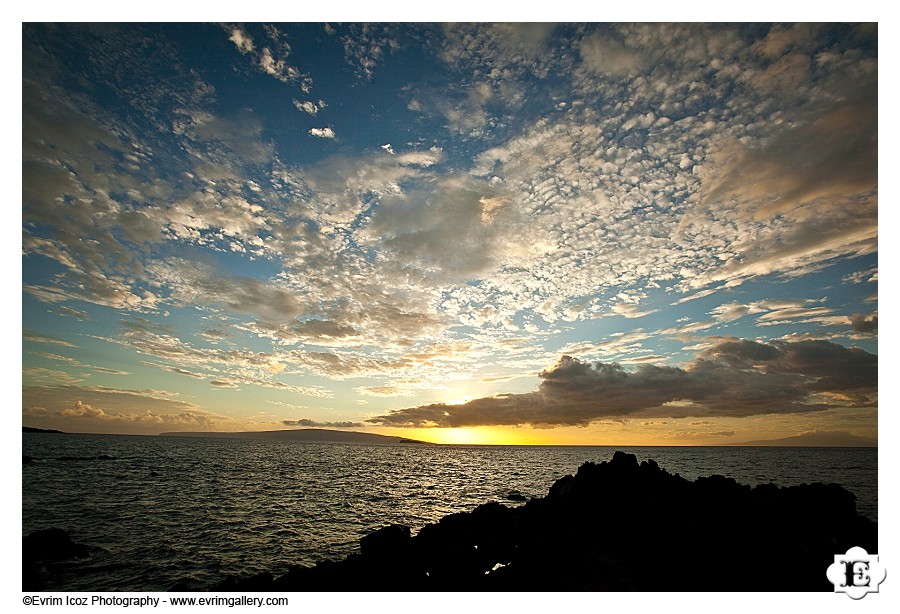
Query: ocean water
164	511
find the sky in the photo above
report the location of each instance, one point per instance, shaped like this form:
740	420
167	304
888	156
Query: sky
586	233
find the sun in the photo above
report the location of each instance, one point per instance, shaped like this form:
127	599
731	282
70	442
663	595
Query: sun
459	436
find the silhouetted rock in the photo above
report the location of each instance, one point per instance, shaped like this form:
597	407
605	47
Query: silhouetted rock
515	495
387	543
45	547
103	457
51	545
617	525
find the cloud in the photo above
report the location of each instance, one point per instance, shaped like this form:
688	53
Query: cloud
365	45
382	391
864	324
347	365
200	283
413	227
307	106
177	370
68	155
797	312
102	192
632	153
494	67
114	399
625	170
76	364
322	133
276	67
223	383
627	310
65	310
110	371
733	378
104	409
419	158
82	410
39	375
241	40
833	154
225	367
28	335
272	58
780	312
802	197
316	424
603	54
698	435
870	275
317	331
229	138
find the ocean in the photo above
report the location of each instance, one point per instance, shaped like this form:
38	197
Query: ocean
161	512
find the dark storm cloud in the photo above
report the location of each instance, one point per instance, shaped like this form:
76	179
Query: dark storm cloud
734	378
741	353
824	366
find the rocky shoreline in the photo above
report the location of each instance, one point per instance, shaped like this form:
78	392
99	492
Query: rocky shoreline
613	526
618	525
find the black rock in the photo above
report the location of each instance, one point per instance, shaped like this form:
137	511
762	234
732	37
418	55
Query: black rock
51	545
43	548
387	543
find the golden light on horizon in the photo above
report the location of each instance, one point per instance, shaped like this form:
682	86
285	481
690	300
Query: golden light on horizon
459	436
479	435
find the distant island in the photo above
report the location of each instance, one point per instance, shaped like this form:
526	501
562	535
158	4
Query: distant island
297	435
31	429
828	439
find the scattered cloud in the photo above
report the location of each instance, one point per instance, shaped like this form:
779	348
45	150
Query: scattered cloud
270	58
365	45
33	337
66	310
